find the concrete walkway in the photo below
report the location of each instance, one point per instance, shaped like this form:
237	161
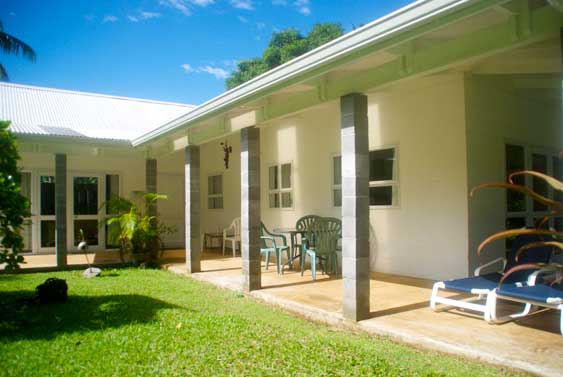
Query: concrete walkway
400	310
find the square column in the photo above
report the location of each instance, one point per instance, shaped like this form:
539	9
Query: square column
355	206
192	214
250	207
150	181
60	210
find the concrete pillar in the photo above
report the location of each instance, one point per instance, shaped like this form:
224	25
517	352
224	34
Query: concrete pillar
192	190
150	181
250	207
60	210
355	206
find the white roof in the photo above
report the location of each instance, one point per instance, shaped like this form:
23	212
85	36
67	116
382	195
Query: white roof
55	112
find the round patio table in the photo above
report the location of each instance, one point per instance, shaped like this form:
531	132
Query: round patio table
293	232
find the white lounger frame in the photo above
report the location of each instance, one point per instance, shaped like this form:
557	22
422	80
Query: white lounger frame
480	293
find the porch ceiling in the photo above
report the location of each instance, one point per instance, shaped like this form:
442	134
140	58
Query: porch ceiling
483	36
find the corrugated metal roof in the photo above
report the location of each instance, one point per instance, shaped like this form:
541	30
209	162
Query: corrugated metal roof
55	112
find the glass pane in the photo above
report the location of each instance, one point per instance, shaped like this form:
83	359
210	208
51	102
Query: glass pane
287	200
381	164
112	188
48	233
90	229
26	234
557	174
210	203
514	223
539	163
47	184
219	202
215	185
273	177
337	170
558	224
286	176
274	201
515	161
85	195
337	197
381	196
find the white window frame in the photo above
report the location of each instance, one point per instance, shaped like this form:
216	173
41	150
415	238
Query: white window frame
215	196
529	214
281	190
394	183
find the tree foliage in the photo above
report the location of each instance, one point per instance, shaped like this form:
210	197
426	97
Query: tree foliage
13	46
284	46
13	205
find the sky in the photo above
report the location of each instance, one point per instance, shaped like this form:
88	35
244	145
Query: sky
168	50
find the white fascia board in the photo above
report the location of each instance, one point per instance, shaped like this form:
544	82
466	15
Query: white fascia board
372	33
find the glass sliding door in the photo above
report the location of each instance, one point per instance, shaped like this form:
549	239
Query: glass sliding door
27	227
46	217
85	214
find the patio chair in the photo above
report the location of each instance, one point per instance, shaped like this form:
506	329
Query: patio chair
325	234
544	295
302	225
268	244
232	234
481	285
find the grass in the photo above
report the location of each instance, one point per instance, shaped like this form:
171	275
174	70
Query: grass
148	322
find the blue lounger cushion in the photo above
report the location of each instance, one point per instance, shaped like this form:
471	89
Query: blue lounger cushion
537	293
488	281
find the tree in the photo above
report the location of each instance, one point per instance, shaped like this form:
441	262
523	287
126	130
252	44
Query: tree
13	205
13	46
283	46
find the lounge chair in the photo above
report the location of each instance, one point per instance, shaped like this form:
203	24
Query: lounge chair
541	295
481	285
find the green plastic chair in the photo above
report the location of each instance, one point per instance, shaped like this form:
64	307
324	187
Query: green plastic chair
336	225
326	234
269	245
302	225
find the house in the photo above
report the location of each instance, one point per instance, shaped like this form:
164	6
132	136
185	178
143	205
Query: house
388	127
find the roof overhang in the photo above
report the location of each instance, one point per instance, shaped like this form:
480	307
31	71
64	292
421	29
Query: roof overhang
396	33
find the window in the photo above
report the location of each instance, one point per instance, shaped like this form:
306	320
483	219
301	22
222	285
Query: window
215	192
337	181
26	228
280	186
382	177
522	211
383	184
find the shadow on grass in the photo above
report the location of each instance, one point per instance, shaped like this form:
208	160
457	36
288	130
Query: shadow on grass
22	318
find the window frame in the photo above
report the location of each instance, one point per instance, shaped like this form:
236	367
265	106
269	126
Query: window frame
529	214
215	196
279	190
334	186
393	183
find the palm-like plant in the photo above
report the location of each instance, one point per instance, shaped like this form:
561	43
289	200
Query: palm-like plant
554	238
13	46
134	229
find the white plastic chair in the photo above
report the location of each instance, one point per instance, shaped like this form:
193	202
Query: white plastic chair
232	234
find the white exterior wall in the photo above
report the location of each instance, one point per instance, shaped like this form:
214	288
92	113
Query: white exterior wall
132	178
426	234
498	114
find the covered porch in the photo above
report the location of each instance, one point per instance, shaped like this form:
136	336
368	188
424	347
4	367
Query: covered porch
399	308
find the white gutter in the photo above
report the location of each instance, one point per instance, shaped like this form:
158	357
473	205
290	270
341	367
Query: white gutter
374	32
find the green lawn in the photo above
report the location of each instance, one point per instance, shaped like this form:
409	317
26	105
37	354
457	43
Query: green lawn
147	322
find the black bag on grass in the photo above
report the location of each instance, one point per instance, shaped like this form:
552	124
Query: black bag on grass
52	291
